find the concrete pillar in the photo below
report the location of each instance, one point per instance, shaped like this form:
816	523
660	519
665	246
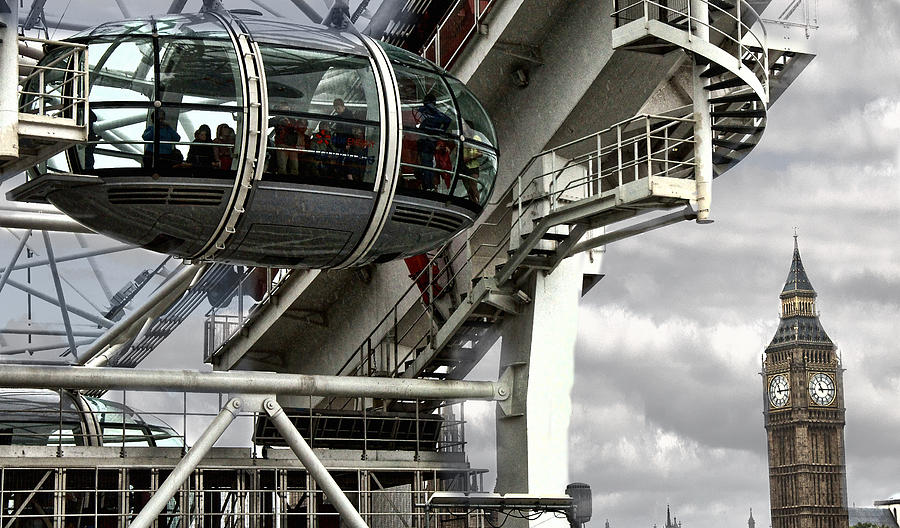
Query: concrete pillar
533	442
9	81
703	147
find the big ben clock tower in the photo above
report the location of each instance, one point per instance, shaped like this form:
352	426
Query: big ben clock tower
804	414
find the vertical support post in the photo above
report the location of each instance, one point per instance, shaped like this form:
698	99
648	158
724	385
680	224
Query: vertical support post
9	81
187	465
313	465
703	147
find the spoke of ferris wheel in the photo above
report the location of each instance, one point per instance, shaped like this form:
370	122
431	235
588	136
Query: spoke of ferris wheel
15	258
42	348
123	8
64	310
101	321
92	262
176	7
267	8
308	10
77	290
73	256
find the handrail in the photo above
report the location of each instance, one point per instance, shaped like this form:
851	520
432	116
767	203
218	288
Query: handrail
66	99
636	134
653	9
477	9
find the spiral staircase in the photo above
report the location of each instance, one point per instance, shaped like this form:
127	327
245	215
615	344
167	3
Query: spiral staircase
573	197
648	163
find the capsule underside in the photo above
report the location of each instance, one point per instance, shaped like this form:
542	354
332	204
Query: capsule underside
267	143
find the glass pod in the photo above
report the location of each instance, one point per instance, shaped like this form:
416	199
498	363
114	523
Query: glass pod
262	142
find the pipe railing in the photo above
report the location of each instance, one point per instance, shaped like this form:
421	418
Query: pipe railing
163	419
678	14
455	30
646	145
245	298
57	88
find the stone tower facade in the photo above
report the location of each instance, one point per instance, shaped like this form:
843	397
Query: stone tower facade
804	414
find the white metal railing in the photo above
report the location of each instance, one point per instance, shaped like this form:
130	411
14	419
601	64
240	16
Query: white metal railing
455	30
255	288
58	85
164	418
643	146
734	31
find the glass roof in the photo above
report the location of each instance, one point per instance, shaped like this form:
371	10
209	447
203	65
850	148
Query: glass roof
66	18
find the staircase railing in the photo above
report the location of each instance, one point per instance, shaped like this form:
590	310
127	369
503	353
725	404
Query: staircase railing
640	147
741	38
455	30
227	319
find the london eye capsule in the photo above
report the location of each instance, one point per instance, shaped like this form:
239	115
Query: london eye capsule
234	138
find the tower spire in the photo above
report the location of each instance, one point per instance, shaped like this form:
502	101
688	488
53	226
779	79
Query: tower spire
799	317
797	281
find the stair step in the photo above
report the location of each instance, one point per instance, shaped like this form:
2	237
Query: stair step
713	70
733	145
776	66
755	49
720	159
736	98
538	252
736	129
739	113
727	83
723	4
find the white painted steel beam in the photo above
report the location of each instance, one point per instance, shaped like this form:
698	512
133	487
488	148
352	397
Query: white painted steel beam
40	221
246	382
165	295
186	466
349	515
9	82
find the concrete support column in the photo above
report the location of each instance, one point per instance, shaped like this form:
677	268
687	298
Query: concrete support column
539	343
9	81
703	146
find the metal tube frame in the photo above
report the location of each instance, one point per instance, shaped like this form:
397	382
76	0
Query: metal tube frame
313	465
107	378
187	465
60	295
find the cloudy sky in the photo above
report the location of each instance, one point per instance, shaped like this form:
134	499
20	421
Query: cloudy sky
668	400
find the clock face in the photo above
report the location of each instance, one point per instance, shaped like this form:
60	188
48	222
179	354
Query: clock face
821	388
779	390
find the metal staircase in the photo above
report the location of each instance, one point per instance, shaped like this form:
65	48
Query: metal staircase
638	166
548	213
558	204
53	106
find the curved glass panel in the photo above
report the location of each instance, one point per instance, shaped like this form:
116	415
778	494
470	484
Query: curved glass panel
120	423
198	71
430	149
122	70
34	417
476	123
312	36
188	25
477	174
405	58
323	115
196	129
